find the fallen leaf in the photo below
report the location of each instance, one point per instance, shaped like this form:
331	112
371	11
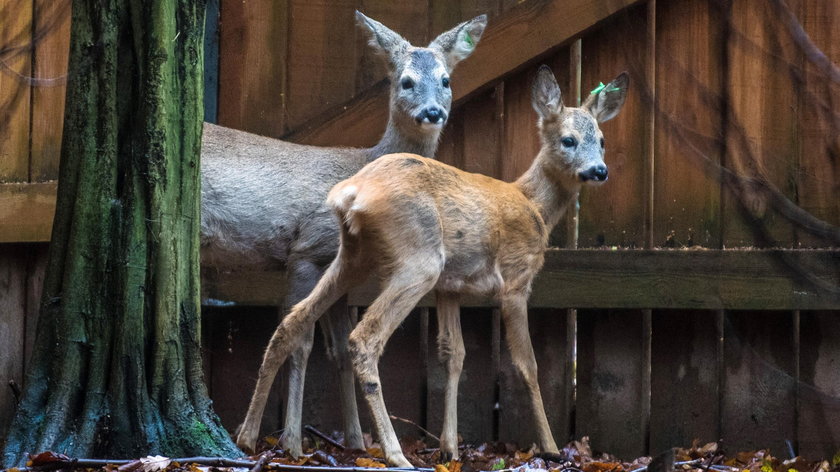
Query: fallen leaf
441	468
368	462
376	452
47	457
454	466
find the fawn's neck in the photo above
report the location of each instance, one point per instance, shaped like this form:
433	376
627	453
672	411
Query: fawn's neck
550	191
398	138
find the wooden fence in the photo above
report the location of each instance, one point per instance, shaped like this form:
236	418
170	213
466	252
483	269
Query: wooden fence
705	302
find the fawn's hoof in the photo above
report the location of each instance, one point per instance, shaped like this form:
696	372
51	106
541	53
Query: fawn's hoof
399	460
292	444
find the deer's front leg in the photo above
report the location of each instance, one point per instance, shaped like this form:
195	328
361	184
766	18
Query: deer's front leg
515	316
451	353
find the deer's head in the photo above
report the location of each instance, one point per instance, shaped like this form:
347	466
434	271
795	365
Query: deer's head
571	136
420	94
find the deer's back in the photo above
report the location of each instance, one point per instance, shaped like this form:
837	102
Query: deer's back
486	228
263	198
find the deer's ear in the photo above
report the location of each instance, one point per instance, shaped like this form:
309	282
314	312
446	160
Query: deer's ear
383	39
545	94
459	42
606	101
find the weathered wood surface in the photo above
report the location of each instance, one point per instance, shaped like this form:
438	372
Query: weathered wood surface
596	278
26	211
15	89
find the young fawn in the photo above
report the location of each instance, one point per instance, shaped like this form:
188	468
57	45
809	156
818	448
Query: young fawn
421	225
263	203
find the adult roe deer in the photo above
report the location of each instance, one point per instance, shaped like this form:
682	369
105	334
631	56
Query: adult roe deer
263	203
420	225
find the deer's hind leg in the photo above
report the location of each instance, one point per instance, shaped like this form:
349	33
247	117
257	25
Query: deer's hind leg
451	353
402	289
292	332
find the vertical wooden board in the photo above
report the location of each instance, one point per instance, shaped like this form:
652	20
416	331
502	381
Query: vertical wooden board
548	329
759	388
16	42
239	337
37	255
409	19
818	177
52	49
211	61
613	214
610	364
12	326
321	57
253	57
688	75
685	373
762	138
819	385
482	117
476	388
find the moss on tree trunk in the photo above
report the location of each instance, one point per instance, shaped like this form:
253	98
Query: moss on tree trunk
116	369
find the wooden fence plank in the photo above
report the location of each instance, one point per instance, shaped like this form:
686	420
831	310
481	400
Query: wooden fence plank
684	379
678	279
613	214
526	31
15	48
762	134
321	58
549	330
38	256
759	389
818	176
253	66
609	388
238	338
12	327
52	49
687	197
819	386
477	387
26	211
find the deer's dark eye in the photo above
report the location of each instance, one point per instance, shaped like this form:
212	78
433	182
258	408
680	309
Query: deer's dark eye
407	83
569	142
602	143
445	82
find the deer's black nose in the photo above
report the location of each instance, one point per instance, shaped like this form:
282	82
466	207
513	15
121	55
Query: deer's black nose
433	115
597	173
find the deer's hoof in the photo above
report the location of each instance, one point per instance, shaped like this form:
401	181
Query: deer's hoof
399	460
292	444
246	441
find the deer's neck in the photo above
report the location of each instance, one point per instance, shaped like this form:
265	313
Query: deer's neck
550	191
397	138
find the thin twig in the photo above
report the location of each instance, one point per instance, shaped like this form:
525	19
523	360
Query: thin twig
311	430
404	420
258	467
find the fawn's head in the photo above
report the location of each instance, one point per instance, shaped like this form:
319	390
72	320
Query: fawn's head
574	142
420	93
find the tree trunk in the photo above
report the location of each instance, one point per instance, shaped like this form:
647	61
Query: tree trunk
116	369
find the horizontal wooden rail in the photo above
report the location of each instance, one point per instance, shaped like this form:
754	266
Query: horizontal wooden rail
513	39
594	278
26	211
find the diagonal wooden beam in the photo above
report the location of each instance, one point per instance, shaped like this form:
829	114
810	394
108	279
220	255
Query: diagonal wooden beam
512	40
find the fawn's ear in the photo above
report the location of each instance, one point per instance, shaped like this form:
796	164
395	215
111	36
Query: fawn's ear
382	39
606	100
545	94
459	42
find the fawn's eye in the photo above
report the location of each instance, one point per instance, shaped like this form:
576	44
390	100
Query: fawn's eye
445	82
407	83
569	142
602	143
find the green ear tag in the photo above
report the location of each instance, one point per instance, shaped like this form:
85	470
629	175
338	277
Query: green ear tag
469	39
600	87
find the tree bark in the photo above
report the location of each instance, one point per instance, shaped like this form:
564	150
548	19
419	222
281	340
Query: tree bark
116	369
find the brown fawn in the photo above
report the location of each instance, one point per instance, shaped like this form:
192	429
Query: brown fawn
263	203
421	225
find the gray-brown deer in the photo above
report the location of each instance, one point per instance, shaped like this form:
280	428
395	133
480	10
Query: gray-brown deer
421	225
263	203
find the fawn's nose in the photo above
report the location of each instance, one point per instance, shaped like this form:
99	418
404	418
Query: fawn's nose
433	115
596	173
